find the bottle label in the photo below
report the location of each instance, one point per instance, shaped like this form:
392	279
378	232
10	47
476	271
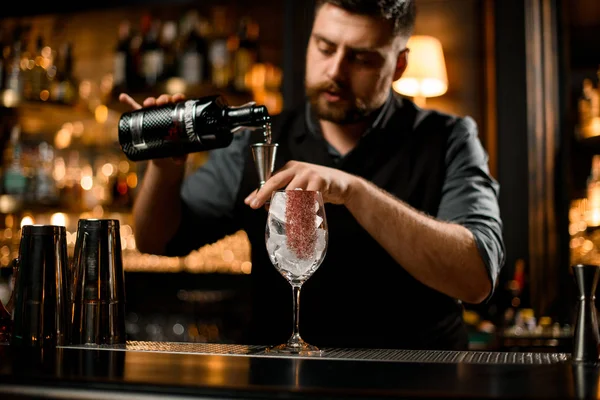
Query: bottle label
191	68
183	125
135	127
153	66
178	118
188	119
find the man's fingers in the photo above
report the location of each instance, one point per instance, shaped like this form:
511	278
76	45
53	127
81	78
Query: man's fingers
297	183
149	102
163	99
127	99
251	196
274	183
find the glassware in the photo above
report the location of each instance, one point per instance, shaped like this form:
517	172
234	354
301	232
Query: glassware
296	238
41	292
98	284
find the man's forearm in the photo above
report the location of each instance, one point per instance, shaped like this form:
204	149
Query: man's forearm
157	209
441	255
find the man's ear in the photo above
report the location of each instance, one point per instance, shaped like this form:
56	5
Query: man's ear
401	64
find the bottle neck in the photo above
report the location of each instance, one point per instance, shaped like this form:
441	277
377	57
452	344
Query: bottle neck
250	116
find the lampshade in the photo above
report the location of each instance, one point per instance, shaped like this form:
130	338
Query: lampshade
425	75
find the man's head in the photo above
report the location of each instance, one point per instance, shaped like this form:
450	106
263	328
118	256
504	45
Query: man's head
355	51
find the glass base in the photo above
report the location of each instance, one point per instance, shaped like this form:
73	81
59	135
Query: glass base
295	347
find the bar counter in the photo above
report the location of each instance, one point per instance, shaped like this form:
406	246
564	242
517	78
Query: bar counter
153	370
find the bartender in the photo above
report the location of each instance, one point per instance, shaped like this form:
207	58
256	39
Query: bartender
414	223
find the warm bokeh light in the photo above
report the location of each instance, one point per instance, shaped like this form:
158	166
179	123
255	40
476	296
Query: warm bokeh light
27	220
10	98
77	128
101	114
175	85
425	75
62	140
60	219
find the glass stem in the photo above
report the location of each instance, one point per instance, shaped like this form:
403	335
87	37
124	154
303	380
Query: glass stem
296	331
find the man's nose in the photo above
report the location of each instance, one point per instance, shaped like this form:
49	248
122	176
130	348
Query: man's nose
337	66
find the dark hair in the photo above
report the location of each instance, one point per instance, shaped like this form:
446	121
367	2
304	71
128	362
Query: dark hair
401	13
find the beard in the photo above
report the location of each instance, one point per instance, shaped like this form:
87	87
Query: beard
347	110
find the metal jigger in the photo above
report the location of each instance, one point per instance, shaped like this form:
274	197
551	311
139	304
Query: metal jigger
586	338
264	160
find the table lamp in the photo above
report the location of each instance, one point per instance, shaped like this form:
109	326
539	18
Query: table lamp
425	74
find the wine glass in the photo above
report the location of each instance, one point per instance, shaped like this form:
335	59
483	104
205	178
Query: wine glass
296	237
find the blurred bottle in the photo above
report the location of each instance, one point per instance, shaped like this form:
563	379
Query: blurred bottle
514	290
220	49
152	54
12	91
168	44
124	74
38	84
5	47
64	88
592	213
246	54
45	191
193	57
14	179
71	192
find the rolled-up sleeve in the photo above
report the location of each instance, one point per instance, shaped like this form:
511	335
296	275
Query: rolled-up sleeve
470	195
208	198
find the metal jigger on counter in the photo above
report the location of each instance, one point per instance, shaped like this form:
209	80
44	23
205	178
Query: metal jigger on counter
586	339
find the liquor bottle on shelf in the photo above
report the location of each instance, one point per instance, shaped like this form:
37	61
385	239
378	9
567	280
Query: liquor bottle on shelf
514	290
38	84
220	50
193	56
124	72
12	91
64	86
246	54
14	178
167	43
4	56
592	212
151	52
185	127
45	190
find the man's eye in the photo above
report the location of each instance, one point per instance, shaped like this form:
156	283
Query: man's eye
362	60
327	50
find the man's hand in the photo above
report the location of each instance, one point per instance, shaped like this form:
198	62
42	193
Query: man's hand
334	185
156	101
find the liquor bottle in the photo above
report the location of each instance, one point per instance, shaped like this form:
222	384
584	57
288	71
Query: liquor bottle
4	56
12	92
193	62
185	127
123	63
220	50
167	42
151	52
15	179
45	190
592	212
246	54
64	86
39	83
